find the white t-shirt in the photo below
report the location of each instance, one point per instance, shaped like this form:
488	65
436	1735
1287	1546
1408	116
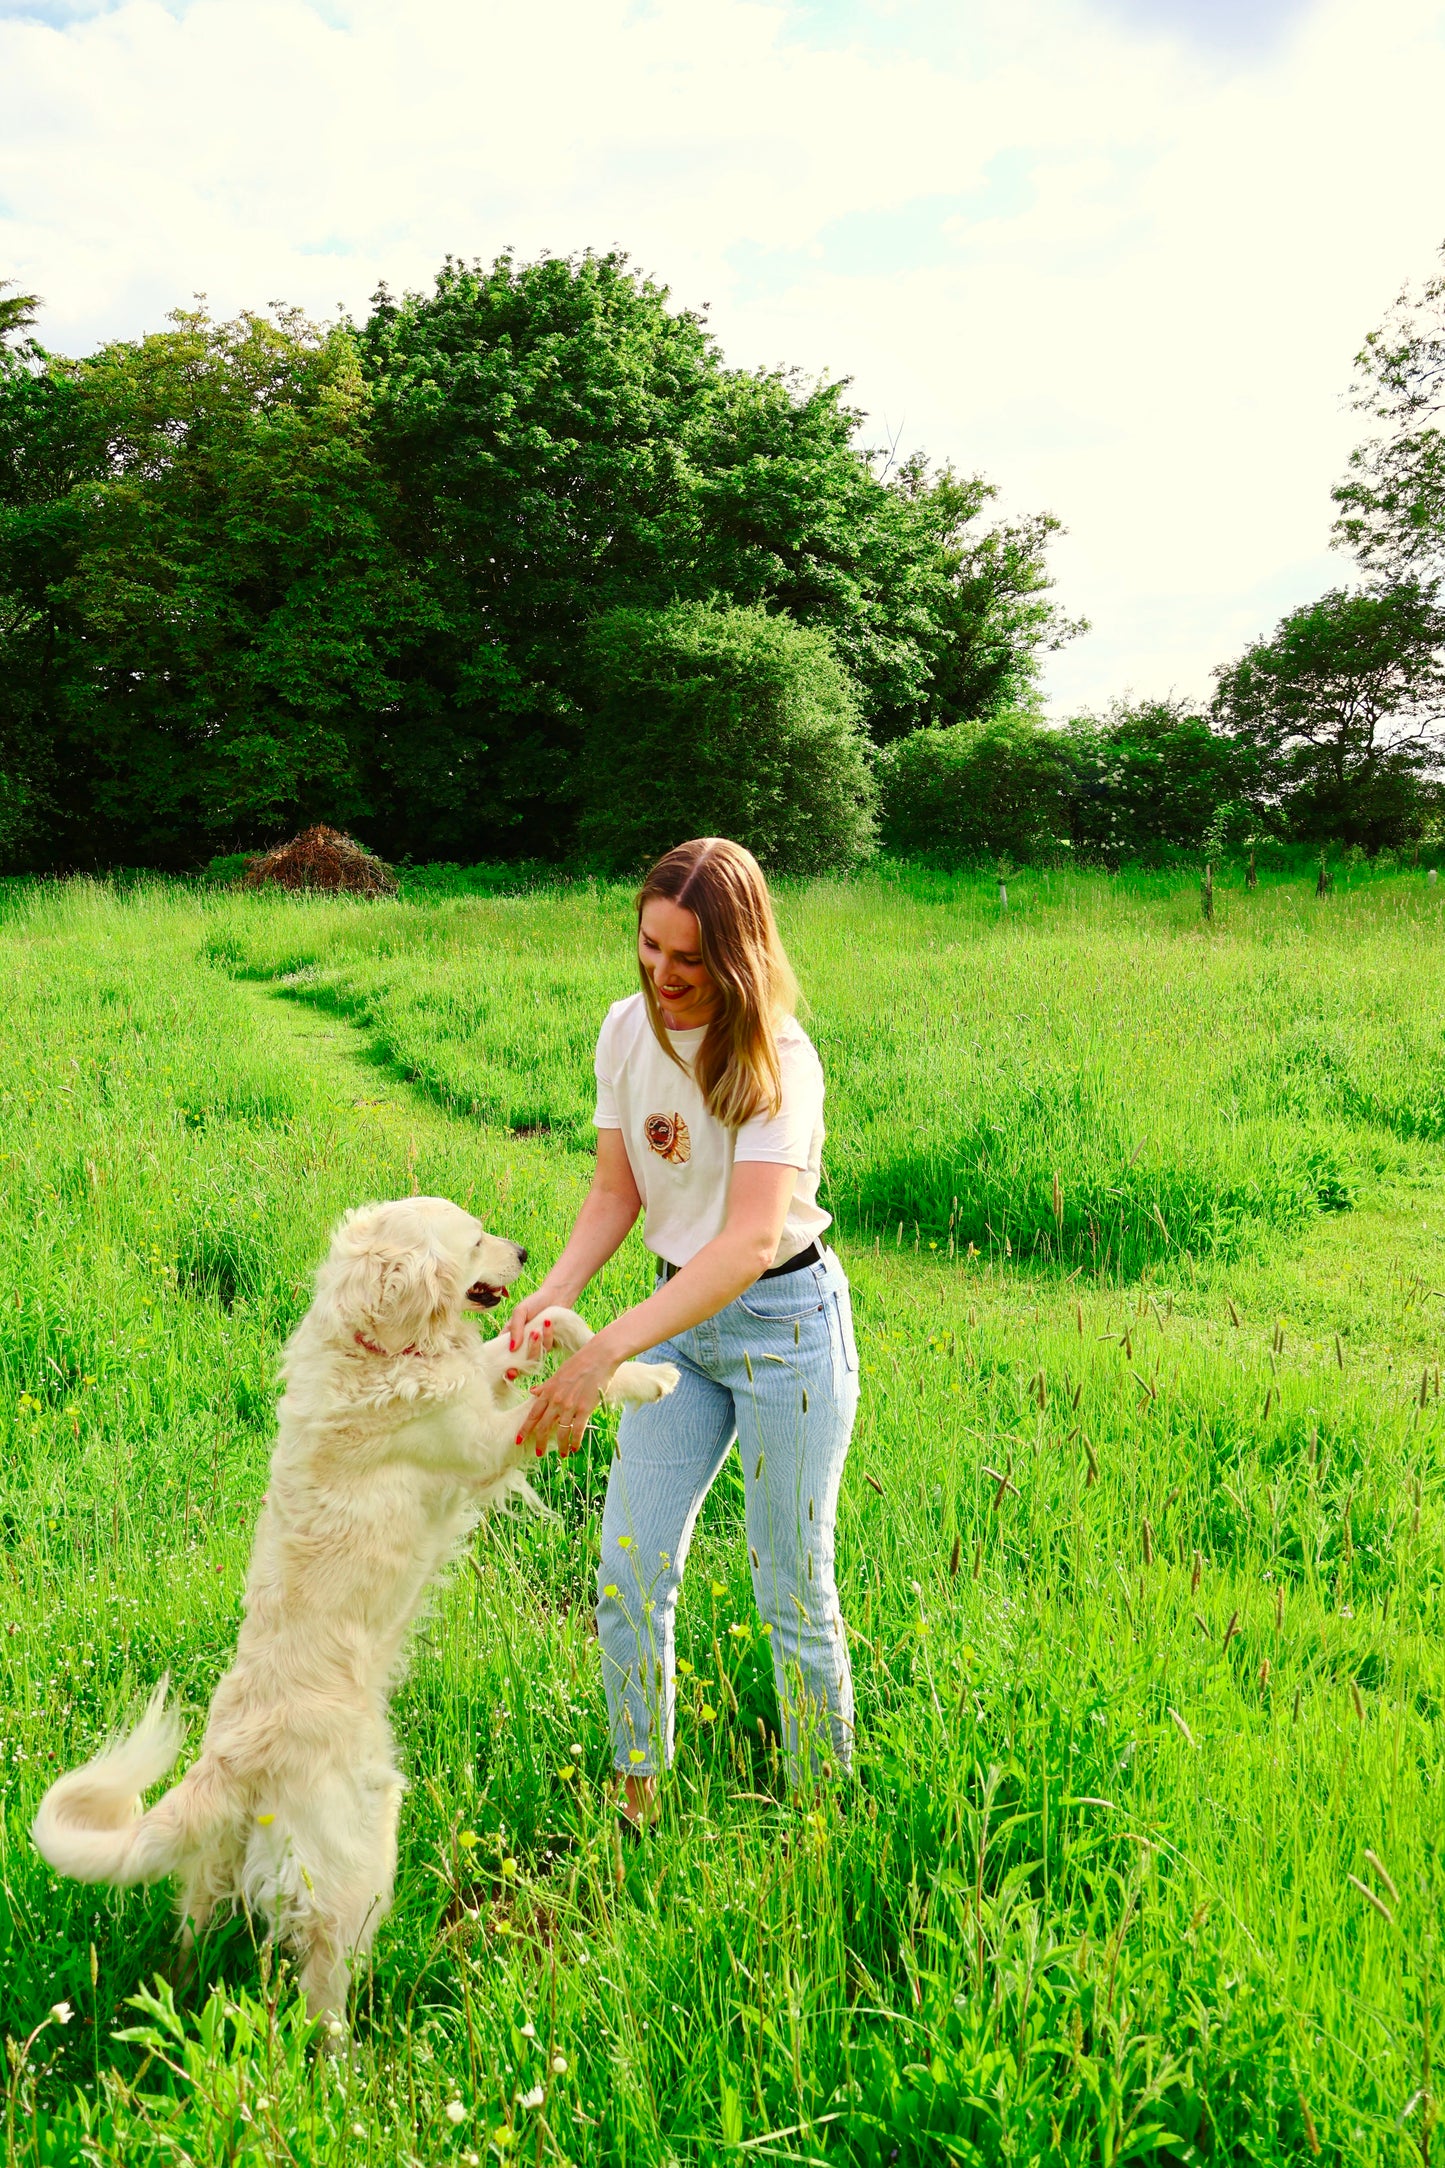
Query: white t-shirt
681	1156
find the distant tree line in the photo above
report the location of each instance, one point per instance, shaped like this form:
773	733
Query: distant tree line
1331	730
394	575
521	568
1327	732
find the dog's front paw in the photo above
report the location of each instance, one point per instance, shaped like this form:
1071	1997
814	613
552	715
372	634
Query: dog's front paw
644	1381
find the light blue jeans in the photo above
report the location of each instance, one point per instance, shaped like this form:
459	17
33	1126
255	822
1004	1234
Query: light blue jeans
778	1371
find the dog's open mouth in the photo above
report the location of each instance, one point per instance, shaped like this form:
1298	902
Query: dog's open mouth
484	1295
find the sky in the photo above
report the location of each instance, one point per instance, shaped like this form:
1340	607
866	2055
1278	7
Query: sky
1117	255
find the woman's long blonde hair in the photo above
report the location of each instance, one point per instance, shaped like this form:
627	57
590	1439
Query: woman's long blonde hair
737	1064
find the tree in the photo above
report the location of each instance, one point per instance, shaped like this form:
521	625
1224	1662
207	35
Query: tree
1150	778
1343	706
262	573
17	311
714	720
195	551
991	613
1392	506
975	790
562	443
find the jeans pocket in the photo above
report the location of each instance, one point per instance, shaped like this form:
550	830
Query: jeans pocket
843	1311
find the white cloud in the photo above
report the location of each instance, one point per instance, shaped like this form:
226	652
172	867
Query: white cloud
1123	273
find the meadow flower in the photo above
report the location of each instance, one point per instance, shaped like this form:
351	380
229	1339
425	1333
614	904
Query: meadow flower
455	2112
610	1589
624	1543
575	1751
265	1820
358	2130
509	1870
566	1773
559	2065
635	1755
467	1839
533	2099
61	2012
529	2030
706	1713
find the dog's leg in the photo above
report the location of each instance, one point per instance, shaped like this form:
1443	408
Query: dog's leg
348	1889
551	1330
641	1382
630	1381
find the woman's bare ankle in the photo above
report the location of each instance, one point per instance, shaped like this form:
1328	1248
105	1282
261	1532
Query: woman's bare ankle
639	1799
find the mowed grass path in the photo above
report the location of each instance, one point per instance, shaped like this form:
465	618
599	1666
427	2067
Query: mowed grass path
1143	1857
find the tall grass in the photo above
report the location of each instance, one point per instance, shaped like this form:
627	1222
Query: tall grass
1143	1855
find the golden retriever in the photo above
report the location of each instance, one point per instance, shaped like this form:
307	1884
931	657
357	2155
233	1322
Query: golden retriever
397	1428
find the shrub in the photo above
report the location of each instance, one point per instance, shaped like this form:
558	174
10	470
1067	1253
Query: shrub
1151	780
975	790
711	720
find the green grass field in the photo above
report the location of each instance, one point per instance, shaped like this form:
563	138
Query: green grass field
1140	1545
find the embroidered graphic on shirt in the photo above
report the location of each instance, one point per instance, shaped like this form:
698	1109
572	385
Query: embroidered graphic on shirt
668	1137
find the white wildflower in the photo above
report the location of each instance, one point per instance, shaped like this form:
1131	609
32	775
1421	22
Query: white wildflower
455	2112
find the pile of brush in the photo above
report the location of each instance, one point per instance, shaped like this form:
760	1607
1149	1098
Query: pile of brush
323	859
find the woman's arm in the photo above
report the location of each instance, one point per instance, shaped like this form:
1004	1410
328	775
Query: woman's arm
608	1213
722	1270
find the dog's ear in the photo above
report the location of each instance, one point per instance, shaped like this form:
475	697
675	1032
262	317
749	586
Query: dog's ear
395	1292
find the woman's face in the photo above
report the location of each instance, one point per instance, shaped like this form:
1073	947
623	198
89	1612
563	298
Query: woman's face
669	948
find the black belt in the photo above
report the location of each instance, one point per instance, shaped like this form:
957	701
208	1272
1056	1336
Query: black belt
812	1255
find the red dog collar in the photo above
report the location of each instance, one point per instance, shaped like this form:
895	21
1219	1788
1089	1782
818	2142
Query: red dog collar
372	1348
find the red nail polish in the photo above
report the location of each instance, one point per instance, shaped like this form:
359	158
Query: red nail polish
540	1451
519	1437
511	1374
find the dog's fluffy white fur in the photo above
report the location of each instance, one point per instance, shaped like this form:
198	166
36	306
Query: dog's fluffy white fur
397	1428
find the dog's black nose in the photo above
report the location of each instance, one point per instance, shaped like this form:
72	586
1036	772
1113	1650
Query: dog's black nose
521	1255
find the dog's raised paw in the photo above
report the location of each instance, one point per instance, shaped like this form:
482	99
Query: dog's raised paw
642	1381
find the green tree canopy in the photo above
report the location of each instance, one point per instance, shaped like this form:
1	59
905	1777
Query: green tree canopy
263	572
1149	779
975	790
213	600
1343	706
1392	503
715	720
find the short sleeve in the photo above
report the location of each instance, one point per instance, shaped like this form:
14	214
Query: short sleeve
606	1115
785	1139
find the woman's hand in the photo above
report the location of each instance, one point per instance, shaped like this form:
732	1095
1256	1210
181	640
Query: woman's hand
563	1405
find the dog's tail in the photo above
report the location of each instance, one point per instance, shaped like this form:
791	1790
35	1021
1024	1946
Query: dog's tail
90	1824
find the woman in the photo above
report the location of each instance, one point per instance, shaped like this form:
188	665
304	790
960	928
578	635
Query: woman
710	1121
